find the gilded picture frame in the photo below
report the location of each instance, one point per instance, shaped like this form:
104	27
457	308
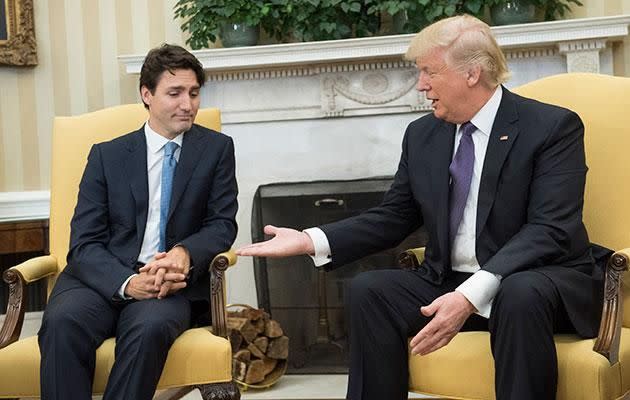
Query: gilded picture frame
17	33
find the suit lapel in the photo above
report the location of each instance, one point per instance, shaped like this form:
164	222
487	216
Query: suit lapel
442	153
136	167
502	137
188	159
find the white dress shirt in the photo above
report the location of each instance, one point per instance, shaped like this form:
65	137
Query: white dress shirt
155	157
481	287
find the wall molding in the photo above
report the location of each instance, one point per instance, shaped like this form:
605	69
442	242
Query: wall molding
24	206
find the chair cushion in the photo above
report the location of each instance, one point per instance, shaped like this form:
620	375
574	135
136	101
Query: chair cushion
464	369
197	356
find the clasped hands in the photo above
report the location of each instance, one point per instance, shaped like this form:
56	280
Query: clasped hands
163	276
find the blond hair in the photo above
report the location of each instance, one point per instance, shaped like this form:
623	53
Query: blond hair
467	41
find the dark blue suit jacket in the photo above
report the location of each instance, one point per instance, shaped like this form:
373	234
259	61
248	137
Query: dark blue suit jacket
529	212
111	213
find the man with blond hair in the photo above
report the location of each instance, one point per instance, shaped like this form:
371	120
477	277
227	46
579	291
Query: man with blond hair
497	181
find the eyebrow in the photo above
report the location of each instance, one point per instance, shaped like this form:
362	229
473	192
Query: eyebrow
196	87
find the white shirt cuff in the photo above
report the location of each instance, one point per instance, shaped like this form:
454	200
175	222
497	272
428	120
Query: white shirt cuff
121	291
480	290
321	245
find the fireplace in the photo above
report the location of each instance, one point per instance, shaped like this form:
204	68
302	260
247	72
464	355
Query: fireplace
308	302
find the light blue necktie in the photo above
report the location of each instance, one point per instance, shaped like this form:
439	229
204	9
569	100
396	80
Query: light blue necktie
168	172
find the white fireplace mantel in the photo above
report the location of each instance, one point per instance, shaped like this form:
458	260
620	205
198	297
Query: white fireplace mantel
290	55
368	76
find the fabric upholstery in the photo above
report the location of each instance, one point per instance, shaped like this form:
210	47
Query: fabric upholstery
602	102
37	268
197	356
465	368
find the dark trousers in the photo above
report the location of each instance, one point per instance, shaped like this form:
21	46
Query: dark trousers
75	323
384	311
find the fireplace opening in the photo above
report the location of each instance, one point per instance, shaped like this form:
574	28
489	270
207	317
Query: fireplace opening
307	301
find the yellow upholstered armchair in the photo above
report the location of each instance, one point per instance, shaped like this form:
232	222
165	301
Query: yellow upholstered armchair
588	369
200	358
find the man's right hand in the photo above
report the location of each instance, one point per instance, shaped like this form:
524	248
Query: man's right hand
142	287
286	242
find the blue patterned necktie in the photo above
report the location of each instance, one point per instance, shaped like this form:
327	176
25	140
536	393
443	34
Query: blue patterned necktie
461	170
168	172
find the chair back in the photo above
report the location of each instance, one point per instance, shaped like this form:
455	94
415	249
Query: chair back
603	103
72	139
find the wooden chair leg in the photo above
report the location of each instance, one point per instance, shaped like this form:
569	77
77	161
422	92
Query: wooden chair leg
219	391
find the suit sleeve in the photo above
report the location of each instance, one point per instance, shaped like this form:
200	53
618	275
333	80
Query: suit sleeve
554	211
89	260
378	228
218	230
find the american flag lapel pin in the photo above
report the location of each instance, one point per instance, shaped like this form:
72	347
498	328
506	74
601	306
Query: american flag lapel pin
503	138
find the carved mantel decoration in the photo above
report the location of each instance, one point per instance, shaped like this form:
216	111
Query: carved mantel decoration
17	40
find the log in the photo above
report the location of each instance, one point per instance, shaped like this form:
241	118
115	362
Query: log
239	370
255	351
244	327
259	325
279	348
270	364
273	329
235	340
243	355
262	342
251	314
255	372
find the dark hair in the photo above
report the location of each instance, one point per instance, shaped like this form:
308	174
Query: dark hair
168	57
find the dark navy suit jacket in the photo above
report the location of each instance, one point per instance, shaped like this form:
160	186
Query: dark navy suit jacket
529	213
111	213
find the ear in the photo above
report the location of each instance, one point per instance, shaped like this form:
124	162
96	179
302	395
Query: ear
146	95
473	75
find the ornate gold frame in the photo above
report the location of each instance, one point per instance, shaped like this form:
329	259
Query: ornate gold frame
20	48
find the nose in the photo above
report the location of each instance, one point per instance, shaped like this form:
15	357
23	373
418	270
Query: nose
423	82
186	103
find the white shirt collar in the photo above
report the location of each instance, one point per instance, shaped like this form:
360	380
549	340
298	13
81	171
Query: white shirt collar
484	119
155	141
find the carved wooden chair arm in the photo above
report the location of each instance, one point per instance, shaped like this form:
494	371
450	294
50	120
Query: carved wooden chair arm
411	258
219	264
607	342
17	278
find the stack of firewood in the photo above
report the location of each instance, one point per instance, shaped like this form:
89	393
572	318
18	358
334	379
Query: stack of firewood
258	344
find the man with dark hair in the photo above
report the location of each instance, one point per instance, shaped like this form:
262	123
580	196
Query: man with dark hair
154	208
497	180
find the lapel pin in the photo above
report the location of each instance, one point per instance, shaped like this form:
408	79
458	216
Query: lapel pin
504	137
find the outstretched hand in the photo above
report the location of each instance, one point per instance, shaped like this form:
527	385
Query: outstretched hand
285	242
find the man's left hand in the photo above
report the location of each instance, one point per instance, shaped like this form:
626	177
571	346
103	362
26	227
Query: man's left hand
449	312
